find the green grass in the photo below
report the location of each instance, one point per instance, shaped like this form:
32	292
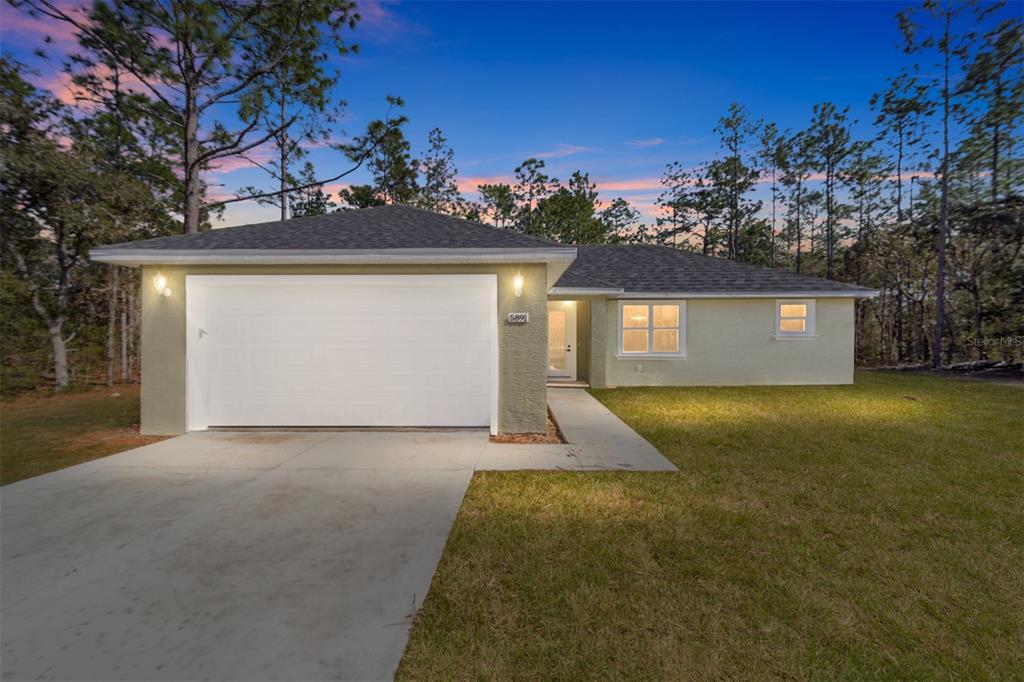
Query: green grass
865	531
43	433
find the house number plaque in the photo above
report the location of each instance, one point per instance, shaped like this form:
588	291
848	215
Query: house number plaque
518	318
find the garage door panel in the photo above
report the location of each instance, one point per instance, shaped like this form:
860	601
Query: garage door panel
364	360
345	326
342	350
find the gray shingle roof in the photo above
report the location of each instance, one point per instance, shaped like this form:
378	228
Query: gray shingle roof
632	268
655	269
383	227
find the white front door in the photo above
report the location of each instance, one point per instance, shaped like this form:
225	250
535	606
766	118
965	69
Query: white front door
562	339
341	350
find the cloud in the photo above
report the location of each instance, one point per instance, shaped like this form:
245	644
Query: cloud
229	164
382	24
562	150
22	27
63	88
469	184
629	185
333	188
650	142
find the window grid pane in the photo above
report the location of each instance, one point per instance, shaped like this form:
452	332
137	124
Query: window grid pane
666	341
666	316
792	325
634	341
793	310
634	316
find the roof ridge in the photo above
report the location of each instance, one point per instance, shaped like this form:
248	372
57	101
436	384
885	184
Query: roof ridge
475	223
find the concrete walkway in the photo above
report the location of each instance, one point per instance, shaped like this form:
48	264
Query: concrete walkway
254	555
597	441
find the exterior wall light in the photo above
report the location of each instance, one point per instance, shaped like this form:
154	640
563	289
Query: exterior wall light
517	285
160	284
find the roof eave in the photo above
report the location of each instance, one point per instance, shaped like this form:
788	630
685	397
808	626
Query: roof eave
132	257
781	293
624	294
584	291
556	259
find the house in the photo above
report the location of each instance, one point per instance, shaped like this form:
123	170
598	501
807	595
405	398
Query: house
393	316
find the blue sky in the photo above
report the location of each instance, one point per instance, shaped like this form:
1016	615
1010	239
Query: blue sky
614	89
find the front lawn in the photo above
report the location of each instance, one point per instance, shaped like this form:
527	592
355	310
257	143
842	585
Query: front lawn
43	433
865	531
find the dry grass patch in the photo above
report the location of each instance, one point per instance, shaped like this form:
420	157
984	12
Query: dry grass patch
812	532
42	433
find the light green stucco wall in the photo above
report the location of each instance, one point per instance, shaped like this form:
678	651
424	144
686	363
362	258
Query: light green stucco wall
583	335
522	349
731	342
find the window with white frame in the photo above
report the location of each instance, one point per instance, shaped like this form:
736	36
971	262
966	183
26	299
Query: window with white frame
651	328
794	318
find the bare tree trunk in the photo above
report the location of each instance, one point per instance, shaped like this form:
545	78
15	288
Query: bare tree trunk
995	163
799	210
898	326
976	300
61	377
283	169
190	165
134	315
996	138
899	175
771	257
940	284
124	340
112	323
922	333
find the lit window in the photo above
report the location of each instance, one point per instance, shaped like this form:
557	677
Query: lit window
651	329
794	318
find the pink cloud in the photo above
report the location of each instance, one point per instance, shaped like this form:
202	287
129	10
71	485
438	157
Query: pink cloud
468	185
563	150
232	163
63	88
23	27
59	83
335	187
629	185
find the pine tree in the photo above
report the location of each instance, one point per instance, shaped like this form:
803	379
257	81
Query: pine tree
312	200
903	110
195	57
828	146
739	175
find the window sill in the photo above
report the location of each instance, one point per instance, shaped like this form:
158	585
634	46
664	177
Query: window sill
795	337
649	356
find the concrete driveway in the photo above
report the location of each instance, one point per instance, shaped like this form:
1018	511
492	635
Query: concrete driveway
229	556
254	555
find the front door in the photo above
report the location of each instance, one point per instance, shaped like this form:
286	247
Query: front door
562	339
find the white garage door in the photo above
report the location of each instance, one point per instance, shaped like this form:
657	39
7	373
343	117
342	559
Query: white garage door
341	350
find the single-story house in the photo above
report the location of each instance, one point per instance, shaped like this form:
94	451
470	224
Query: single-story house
394	316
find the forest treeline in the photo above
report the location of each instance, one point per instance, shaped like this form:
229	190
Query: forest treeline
929	209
